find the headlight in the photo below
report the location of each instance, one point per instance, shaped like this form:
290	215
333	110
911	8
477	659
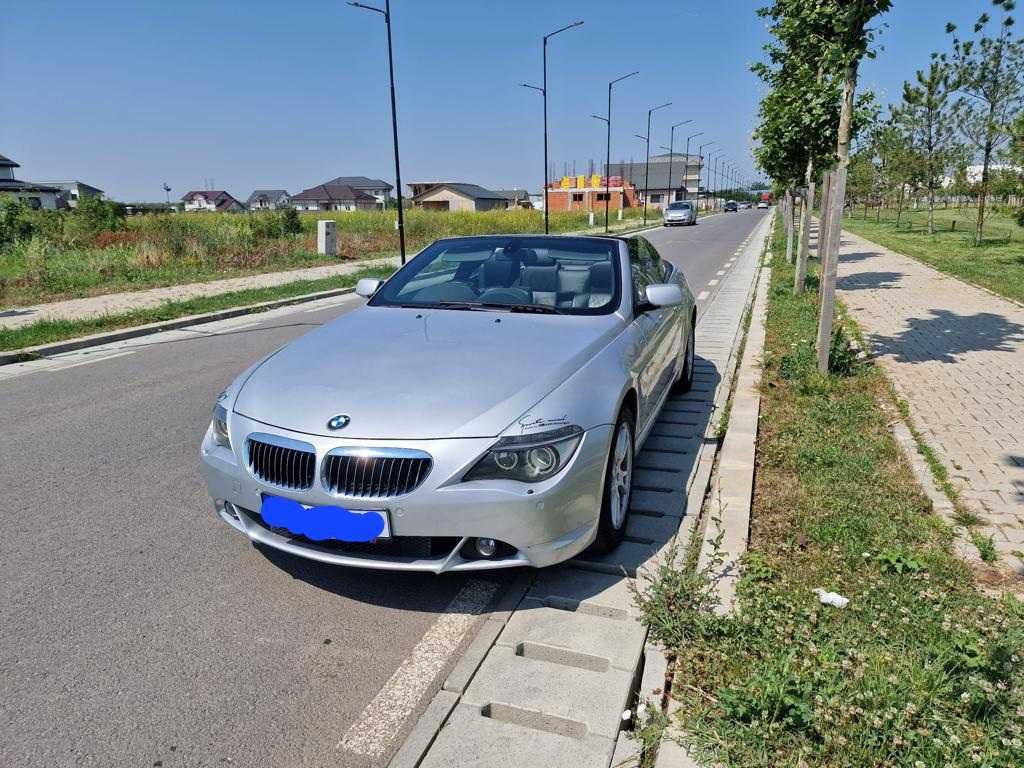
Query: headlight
220	426
528	458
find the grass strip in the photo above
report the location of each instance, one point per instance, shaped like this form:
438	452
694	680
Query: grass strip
920	669
49	331
998	264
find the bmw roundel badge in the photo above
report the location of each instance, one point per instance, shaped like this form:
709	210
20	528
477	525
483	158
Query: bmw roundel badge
338	422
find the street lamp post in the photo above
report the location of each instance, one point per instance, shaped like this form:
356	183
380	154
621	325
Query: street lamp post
686	165
671	145
544	92
608	149
647	165
700	168
386	13
713	178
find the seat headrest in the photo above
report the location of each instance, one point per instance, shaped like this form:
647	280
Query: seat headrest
540	278
601	279
497	273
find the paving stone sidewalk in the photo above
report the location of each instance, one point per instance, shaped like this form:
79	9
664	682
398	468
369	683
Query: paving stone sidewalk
956	354
116	303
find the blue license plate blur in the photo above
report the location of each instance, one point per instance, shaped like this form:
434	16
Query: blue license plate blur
325	523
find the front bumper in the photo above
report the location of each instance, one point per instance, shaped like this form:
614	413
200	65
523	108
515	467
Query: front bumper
542	523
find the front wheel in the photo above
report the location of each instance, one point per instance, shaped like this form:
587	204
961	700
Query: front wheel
685	379
618	485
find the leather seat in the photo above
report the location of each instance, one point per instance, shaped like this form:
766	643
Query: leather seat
542	283
498	273
600	286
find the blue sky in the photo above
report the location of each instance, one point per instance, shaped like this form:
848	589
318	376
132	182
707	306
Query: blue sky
253	93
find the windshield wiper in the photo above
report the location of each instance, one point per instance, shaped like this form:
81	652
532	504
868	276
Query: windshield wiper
541	309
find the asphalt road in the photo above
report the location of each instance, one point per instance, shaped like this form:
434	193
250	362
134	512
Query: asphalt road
136	629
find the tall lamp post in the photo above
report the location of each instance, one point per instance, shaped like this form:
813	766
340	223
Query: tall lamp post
700	168
686	165
608	148
671	157
647	165
543	88
711	170
386	13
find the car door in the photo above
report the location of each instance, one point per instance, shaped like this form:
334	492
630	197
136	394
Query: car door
667	335
647	364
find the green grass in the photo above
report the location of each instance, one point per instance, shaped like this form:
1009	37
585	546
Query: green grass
921	669
161	250
49	331
998	264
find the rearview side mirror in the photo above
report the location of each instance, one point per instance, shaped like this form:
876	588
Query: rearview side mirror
664	295
368	286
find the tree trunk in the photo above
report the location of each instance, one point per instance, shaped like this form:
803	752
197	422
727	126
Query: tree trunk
788	208
980	224
800	276
931	209
826	198
830	270
899	207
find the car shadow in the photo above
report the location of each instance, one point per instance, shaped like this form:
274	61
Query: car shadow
658	507
946	335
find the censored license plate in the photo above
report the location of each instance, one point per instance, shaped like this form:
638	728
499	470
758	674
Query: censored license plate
325	523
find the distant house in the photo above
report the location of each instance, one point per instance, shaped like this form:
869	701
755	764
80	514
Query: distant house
211	200
268	199
517	198
666	179
73	191
33	194
377	188
333	197
458	196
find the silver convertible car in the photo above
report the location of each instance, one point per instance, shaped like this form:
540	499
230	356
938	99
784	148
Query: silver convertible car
482	410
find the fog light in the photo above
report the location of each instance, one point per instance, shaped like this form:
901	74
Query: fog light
486	547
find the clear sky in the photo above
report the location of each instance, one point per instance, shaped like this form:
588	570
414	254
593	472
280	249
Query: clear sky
127	94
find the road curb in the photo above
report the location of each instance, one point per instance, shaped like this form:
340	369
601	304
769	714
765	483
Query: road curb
735	450
732	487
82	342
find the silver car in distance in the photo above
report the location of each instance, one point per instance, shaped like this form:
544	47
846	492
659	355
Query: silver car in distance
482	410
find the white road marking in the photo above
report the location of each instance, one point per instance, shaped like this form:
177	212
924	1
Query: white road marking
89	361
702	296
377	726
712	282
720	272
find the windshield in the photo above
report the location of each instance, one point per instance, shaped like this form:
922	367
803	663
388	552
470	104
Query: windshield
551	275
679	206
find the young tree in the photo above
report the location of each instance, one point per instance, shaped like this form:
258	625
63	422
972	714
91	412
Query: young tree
927	119
990	77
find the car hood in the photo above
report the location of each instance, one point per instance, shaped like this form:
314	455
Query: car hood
421	374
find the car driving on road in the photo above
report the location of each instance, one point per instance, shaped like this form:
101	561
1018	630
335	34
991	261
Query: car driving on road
681	212
762	204
482	410
731	206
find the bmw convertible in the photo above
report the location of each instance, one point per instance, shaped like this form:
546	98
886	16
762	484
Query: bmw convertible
481	410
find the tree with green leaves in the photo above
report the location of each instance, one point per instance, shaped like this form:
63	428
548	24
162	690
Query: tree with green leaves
927	119
989	72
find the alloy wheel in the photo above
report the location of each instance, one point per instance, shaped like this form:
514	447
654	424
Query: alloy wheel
621	476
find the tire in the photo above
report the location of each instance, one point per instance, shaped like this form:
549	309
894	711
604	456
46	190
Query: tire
685	380
618	485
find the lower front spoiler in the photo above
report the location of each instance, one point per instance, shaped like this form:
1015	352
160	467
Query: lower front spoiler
248	523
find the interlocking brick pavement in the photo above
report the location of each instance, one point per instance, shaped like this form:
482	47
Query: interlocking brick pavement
956	355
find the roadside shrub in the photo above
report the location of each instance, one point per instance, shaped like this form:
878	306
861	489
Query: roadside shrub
290	224
1019	216
91	217
843	355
